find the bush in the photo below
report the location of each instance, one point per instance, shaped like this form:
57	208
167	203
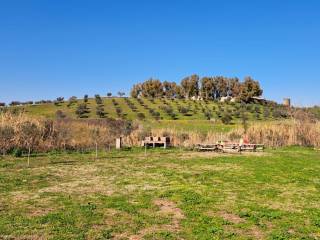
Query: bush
226	118
183	110
100	111
6	138
82	110
114	102
237	113
86	98
208	114
266	113
141	116
119	111
72	100
60	115
17	152
257	109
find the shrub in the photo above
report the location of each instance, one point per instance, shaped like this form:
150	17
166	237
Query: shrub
237	113
60	115
183	110
226	118
257	109
2	104
6	138
100	111
141	116
208	114
114	102
119	111
72	100
17	152
86	98
82	110
266	113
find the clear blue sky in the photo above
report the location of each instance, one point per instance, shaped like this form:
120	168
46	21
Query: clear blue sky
51	48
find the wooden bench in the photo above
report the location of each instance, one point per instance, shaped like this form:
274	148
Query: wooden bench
207	147
252	147
230	147
156	142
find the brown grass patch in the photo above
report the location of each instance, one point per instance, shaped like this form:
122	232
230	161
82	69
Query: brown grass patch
233	218
166	208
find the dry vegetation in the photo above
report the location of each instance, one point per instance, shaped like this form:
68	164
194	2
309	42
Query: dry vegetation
19	132
299	131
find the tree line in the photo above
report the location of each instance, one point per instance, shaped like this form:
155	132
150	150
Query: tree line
206	88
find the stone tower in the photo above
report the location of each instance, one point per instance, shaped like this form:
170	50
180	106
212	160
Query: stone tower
287	102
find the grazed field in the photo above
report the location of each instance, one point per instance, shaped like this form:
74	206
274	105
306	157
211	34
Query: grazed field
172	194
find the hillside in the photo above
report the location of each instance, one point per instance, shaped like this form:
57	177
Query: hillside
159	109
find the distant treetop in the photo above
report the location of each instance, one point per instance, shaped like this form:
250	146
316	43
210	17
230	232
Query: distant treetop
206	88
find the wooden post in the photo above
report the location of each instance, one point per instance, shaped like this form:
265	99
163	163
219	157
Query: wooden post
119	143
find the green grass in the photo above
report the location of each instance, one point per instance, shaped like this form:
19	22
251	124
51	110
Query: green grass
201	126
166	194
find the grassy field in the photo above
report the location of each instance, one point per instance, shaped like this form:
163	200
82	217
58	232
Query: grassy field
172	194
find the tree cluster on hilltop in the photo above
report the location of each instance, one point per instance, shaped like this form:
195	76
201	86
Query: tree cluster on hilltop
207	88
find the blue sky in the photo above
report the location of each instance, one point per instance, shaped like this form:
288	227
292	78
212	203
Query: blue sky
76	47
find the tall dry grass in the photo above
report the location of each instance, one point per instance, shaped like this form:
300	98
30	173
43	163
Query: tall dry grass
286	133
301	132
42	135
19	131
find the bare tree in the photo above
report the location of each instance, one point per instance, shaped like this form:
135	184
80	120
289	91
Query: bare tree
30	135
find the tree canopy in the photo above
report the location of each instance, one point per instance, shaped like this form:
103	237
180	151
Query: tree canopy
207	88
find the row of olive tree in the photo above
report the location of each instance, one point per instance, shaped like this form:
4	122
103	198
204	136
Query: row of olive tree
208	88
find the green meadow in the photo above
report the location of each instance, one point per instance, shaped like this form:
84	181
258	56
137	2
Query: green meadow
162	194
